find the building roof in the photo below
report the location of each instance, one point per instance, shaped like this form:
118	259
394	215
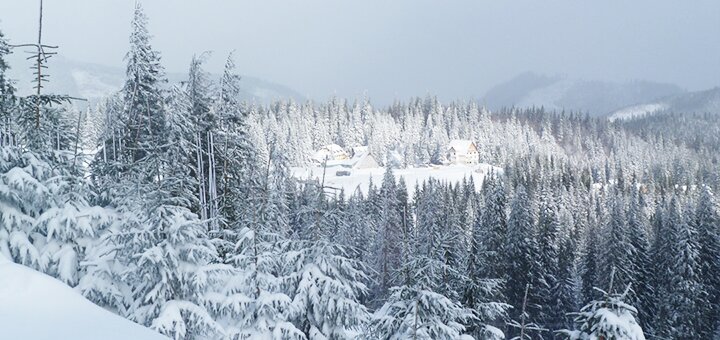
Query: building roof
460	146
331	152
334	148
361	159
359	150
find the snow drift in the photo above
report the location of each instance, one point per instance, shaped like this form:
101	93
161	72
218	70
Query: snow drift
35	306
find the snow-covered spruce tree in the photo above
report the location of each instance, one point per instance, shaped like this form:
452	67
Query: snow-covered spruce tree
617	251
590	256
356	234
455	256
137	122
687	293
257	305
608	318
15	235
131	127
437	239
660	266
204	131
167	260
638	227
238	169
71	222
48	220
158	256
356	133
707	224
8	100
181	148
411	312
386	250
469	211
415	309
677	303
484	278
521	257
567	292
548	236
192	125
325	284
106	166
143	107
371	212
493	228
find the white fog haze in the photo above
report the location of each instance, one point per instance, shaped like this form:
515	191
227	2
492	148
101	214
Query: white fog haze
398	49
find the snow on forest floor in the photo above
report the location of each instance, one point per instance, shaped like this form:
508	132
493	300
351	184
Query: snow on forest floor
360	178
636	111
37	307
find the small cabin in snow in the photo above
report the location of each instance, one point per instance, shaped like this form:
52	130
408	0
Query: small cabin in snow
462	151
362	159
359	157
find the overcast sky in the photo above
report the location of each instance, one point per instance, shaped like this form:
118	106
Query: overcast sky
398	48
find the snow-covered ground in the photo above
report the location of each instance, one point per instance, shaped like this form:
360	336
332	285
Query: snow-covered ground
637	111
706	101
360	178
34	306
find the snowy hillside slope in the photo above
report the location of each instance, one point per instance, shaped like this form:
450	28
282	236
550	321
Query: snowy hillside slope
93	81
34	306
707	101
597	98
637	111
360	178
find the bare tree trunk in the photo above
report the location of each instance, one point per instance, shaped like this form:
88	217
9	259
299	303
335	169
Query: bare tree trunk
201	177
77	138
212	183
39	69
522	316
415	324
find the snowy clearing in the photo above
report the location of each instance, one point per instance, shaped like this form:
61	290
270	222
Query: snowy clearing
637	111
34	306
360	178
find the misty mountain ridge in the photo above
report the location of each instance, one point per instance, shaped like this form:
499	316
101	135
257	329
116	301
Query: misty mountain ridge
707	101
597	98
94	82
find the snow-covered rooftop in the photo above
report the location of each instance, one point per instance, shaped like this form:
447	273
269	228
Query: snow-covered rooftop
330	152
460	145
360	153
